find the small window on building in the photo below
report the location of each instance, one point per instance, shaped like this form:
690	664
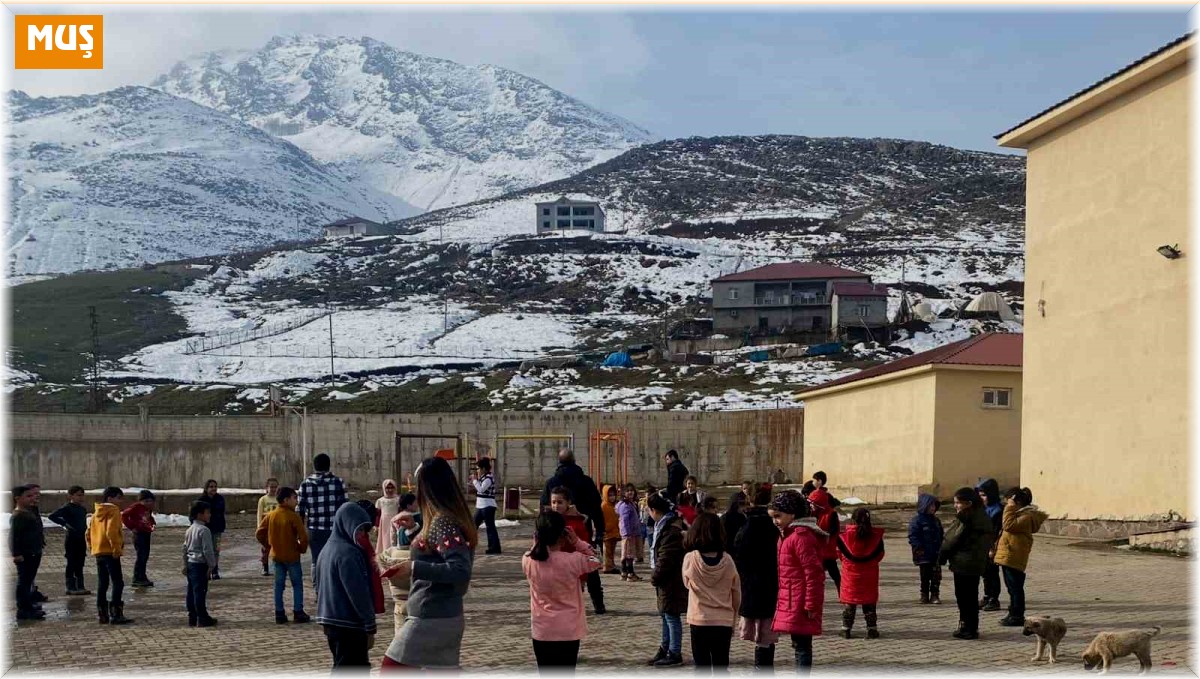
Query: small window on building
564	212
545	225
564	223
864	310
583	211
584	223
733	293
994	397
733	313
545	212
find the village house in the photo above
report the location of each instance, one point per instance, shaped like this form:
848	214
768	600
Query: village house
927	423
1105	422
570	213
818	300
356	226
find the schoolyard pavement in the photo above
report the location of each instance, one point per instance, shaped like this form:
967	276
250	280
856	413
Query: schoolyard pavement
1092	588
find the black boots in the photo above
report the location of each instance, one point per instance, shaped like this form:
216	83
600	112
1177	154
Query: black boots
989	603
662	653
102	613
116	615
764	658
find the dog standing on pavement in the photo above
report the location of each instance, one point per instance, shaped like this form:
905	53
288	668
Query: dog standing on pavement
1049	632
1108	646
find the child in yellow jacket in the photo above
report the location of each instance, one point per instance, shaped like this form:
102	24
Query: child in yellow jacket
107	544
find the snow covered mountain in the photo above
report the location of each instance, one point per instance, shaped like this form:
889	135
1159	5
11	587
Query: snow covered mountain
135	175
432	132
472	286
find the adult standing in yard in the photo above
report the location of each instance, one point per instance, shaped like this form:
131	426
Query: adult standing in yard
485	503
676	475
320	496
216	523
584	493
968	542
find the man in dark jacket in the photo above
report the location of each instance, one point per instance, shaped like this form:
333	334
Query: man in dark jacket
584	494
676	475
756	554
989	491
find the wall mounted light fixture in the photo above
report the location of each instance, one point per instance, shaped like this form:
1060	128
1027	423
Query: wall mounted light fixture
1170	251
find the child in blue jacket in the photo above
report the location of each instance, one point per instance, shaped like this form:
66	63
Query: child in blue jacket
925	535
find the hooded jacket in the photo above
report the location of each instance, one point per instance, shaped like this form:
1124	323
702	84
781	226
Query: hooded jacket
825	512
629	519
756	553
343	575
801	579
584	495
714	590
968	541
993	506
612	527
104	535
1016	540
667	565
925	532
860	552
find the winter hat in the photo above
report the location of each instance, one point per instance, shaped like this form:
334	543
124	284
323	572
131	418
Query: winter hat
790	502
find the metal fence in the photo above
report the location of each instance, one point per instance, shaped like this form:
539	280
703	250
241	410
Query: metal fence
229	338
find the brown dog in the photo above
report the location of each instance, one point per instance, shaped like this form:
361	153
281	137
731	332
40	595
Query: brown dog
1107	646
1049	632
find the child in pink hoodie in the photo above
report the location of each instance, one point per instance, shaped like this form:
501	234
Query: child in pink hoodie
553	567
714	593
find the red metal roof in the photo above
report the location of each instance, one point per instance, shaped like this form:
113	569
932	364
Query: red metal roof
859	290
791	271
990	349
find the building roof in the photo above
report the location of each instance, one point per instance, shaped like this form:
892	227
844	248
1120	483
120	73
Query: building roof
348	221
569	198
988	349
791	271
1100	83
848	289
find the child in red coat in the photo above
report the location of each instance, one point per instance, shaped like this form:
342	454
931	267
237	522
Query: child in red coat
824	508
860	548
801	599
560	501
139	518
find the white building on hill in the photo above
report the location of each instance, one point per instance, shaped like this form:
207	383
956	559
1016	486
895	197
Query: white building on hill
570	213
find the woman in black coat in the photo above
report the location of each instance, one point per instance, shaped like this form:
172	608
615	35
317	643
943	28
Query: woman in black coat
734	518
756	553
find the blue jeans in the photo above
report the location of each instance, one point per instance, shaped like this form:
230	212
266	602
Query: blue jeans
672	633
316	542
197	590
295	573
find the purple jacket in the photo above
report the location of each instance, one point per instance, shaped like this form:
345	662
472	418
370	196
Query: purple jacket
631	522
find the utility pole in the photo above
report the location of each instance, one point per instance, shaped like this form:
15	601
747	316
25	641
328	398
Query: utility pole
95	378
329	309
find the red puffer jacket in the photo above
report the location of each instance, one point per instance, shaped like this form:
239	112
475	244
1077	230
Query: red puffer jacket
827	520
860	557
801	579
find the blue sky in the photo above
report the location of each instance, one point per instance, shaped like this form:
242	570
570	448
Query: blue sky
951	77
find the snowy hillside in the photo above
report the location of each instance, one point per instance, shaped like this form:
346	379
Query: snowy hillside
135	175
432	132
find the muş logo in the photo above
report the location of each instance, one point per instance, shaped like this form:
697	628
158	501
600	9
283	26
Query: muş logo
59	41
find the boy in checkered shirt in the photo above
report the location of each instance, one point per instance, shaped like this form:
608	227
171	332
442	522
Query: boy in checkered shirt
320	496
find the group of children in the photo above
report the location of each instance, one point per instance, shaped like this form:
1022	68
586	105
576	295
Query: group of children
758	570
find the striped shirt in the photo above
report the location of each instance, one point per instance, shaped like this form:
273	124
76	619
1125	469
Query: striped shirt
320	496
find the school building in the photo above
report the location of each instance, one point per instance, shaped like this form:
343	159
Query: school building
1105	412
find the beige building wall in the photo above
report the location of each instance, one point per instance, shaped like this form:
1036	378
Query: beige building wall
973	441
1106	368
876	441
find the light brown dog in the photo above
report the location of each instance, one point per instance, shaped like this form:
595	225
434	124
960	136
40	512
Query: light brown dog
1107	646
1049	632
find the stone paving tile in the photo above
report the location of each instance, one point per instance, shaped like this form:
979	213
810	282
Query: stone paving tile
1093	589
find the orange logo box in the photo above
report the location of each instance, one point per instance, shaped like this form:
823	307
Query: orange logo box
59	41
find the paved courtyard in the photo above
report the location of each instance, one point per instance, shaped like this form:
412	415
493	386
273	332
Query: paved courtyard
1091	588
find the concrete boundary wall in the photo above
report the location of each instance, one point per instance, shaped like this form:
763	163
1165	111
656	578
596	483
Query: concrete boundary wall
59	450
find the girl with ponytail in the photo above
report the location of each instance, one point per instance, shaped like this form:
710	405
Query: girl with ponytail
553	567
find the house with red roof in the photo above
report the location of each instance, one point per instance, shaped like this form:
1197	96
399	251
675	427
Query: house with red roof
816	300
931	423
